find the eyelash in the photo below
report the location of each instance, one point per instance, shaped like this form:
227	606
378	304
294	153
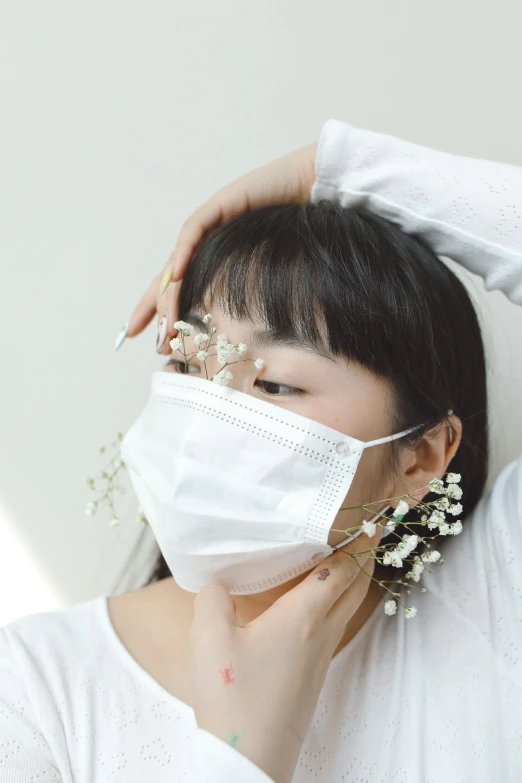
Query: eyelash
179	364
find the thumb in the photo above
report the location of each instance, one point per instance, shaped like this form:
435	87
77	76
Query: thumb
214	606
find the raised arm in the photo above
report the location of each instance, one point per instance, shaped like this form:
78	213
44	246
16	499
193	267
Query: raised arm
465	208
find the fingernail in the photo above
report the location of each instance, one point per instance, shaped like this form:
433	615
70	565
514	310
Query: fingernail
165	280
121	337
162	333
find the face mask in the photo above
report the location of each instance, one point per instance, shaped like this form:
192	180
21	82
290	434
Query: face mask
238	491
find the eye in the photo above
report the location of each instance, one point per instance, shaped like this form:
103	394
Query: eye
178	365
278	389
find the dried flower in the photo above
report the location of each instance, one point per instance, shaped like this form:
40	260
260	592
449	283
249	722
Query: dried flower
454	491
223	377
402	509
436	486
184	328
453	478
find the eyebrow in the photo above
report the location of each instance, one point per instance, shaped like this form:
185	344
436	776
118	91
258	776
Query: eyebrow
266	338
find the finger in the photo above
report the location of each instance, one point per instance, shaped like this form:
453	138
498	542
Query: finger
145	310
323	586
223	205
167	305
350	600
214	607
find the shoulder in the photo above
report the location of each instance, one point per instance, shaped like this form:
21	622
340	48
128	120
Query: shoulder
46	635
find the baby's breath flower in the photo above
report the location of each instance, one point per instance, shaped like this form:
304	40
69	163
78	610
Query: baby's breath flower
402	509
409	612
437	486
90	508
202	355
424	518
437	517
369	528
456	528
455	509
223	377
390	525
390	607
114	521
201	338
430	557
416	571
176	344
241	347
222	355
141	519
231	348
442	504
454	491
259	363
392	557
221	339
90	482
453	478
207	318
184	328
444	529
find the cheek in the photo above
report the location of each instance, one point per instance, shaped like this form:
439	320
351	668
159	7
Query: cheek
369	484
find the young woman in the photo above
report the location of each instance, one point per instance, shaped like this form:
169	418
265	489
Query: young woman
297	673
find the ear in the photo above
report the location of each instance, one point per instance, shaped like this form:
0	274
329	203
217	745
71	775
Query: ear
429	460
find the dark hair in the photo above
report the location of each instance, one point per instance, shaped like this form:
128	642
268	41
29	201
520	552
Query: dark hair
384	300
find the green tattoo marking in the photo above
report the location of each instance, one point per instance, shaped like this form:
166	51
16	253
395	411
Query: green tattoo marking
335	562
234	738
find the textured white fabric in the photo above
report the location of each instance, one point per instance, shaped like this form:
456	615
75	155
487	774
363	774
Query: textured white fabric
437	698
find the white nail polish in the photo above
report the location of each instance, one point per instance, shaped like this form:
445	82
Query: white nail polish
121	337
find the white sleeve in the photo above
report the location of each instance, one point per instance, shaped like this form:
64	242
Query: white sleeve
213	761
464	208
24	752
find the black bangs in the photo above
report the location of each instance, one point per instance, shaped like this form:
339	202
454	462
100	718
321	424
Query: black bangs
339	279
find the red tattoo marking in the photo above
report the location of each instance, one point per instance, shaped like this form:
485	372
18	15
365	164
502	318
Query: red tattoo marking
227	675
323	573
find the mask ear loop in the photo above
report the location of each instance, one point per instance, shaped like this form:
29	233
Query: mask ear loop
450	413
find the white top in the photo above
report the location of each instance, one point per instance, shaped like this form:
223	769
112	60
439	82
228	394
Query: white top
434	698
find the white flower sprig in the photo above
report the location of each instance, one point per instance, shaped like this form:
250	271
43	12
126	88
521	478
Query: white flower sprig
107	486
433	515
223	350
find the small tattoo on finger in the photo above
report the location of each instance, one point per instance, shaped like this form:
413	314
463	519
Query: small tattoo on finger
323	573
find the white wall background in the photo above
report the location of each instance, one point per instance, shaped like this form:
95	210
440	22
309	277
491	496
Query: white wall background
118	119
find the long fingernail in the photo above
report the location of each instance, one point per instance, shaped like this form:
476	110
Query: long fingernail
162	333
121	337
165	280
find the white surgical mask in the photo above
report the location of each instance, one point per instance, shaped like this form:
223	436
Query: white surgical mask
238	491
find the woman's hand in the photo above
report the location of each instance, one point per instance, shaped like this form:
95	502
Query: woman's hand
256	686
286	180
